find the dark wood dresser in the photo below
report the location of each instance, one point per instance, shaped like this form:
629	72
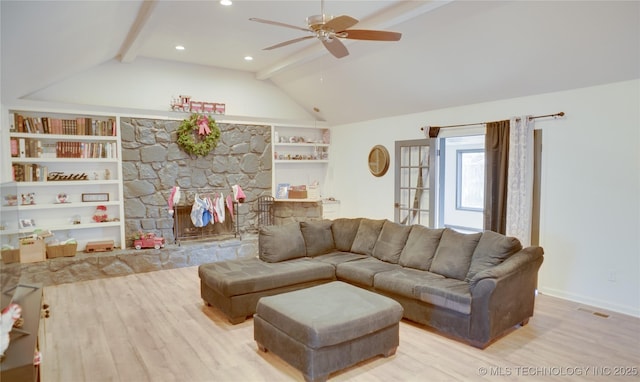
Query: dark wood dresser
18	364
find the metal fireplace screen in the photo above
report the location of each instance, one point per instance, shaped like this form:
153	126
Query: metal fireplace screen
265	210
184	229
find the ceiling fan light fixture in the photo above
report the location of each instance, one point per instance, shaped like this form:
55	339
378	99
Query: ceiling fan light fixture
179	47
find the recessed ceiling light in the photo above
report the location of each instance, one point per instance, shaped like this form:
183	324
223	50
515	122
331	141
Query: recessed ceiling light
179	47
226	2
248	58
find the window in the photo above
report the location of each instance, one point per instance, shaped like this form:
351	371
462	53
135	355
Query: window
470	179
460	182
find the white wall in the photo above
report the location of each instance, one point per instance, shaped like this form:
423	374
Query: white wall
590	201
150	85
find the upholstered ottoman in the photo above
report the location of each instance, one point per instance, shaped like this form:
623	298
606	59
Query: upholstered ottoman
326	328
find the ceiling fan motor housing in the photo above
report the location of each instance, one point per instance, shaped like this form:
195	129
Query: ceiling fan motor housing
316	22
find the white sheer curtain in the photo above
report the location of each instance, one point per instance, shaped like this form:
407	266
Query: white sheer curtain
520	180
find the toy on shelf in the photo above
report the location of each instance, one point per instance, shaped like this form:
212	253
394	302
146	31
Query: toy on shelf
100	215
148	240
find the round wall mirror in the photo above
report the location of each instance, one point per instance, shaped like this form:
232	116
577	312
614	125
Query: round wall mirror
378	160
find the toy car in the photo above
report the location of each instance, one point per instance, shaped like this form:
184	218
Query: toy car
149	241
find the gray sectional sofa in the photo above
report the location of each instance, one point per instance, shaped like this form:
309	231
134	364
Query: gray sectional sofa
474	287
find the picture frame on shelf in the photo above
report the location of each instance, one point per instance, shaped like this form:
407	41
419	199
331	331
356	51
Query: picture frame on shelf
282	192
95	197
27	223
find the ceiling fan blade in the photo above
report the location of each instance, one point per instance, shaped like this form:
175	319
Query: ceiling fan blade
288	42
340	23
366	34
279	24
336	47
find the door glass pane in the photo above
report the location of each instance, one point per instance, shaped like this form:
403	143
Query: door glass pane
414	177
404	198
404	177
405	151
415	156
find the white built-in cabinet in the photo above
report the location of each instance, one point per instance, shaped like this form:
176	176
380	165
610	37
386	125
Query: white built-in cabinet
300	157
58	170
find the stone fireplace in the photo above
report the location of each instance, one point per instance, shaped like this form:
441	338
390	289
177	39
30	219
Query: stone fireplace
152	163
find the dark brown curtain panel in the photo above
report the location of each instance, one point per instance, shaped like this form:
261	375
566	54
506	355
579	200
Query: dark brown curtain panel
496	163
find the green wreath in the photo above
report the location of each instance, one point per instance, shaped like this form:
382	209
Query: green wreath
198	135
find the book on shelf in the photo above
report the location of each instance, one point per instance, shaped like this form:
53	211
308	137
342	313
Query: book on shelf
22	149
77	126
14	148
93	150
28	172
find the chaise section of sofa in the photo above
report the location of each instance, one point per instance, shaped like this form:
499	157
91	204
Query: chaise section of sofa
474	287
235	286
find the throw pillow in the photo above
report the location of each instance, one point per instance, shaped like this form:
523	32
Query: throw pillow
280	242
421	247
344	231
391	241
453	256
318	238
367	235
493	248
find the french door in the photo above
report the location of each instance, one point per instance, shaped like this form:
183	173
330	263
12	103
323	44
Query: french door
414	200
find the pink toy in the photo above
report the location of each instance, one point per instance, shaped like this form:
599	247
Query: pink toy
149	240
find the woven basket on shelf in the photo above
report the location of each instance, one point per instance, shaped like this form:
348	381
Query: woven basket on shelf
63	250
10	256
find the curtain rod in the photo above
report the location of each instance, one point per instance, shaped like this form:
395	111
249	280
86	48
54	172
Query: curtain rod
560	114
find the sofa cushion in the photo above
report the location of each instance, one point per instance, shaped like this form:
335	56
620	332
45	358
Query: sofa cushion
391	241
402	281
336	258
367	235
318	238
239	277
344	231
446	293
453	256
426	287
361	272
420	248
493	248
281	242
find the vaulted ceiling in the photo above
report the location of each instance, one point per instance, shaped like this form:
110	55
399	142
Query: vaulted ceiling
451	52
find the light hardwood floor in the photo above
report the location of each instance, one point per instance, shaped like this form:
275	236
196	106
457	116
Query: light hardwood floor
154	327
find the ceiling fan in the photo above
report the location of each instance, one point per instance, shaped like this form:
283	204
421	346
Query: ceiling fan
329	30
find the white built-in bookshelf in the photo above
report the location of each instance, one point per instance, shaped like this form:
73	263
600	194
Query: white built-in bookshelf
300	157
63	167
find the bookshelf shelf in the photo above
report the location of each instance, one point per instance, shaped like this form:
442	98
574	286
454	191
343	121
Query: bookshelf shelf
53	206
62	137
69	183
301	161
306	144
61	227
62	160
52	153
